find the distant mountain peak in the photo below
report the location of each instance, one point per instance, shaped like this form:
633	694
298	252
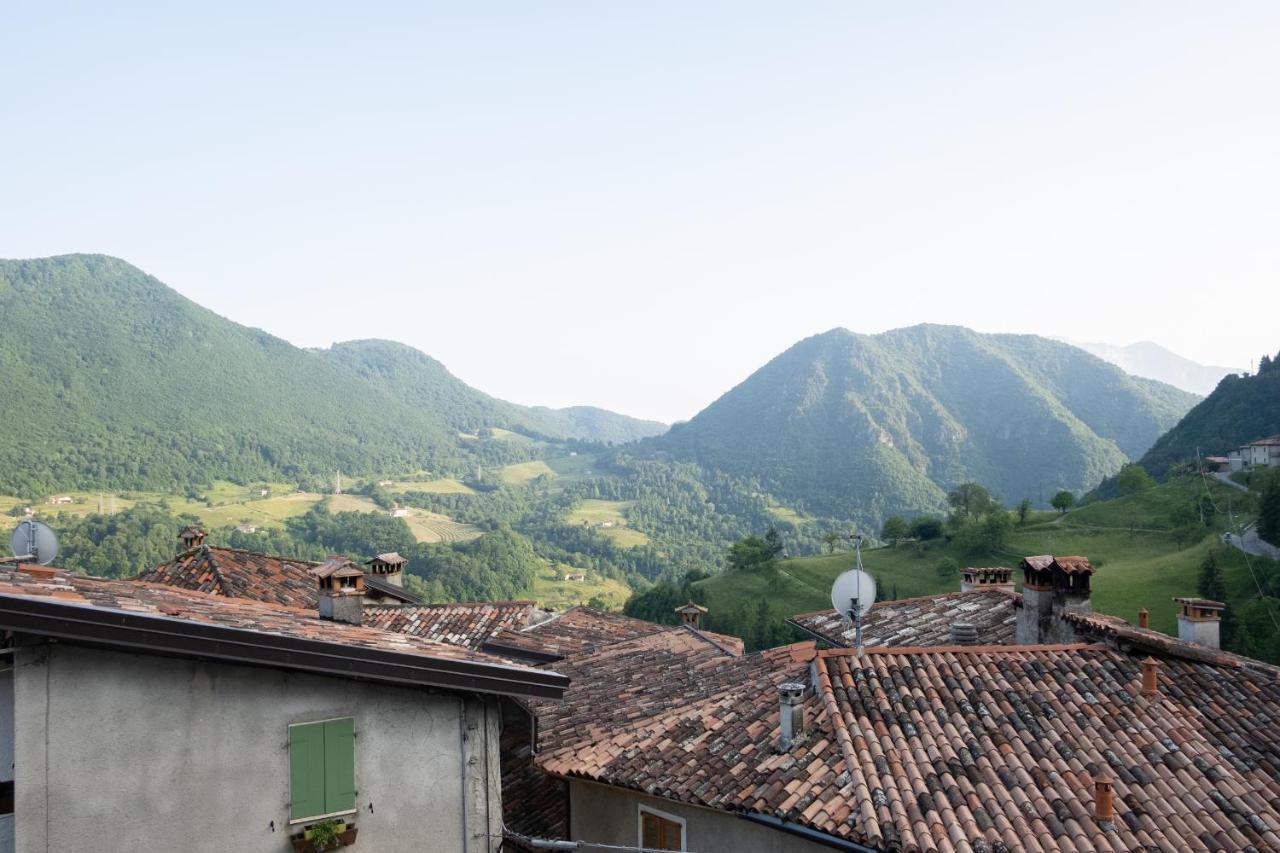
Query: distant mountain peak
1152	361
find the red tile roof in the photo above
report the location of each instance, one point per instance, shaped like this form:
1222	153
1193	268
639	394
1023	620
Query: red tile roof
466	624
164	603
924	621
583	630
245	574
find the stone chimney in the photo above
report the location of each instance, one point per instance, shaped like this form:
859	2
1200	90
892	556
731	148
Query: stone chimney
1144	618
1051	588
1150	676
191	536
994	577
690	614
340	584
791	713
388	567
1200	621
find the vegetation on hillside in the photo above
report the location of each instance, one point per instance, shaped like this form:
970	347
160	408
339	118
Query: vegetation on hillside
1241	409
865	427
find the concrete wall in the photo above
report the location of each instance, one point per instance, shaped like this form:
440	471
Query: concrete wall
606	815
119	752
6	747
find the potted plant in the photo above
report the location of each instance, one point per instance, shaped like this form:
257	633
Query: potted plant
326	835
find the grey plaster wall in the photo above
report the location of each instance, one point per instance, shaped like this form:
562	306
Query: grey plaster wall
609	815
119	752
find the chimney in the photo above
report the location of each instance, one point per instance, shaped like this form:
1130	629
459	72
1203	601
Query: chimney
340	584
964	634
1200	621
1103	802
1144	618
993	577
191	536
690	614
389	567
1052	587
790	697
1150	677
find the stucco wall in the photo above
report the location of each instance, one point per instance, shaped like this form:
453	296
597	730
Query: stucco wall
608	815
150	753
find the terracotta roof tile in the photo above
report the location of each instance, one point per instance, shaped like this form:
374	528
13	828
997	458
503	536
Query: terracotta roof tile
924	621
466	624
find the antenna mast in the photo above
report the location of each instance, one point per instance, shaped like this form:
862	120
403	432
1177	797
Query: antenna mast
855	609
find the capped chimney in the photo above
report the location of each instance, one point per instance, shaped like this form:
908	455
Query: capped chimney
1144	618
1150	677
1051	588
192	536
690	614
340	584
991	577
964	634
389	567
1200	621
790	698
1104	808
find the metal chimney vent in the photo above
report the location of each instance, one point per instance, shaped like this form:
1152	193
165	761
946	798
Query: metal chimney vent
964	634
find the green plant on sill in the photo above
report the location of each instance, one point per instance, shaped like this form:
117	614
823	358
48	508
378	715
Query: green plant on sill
324	834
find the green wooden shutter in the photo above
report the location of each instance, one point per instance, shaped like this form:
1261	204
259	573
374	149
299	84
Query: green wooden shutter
306	770
339	765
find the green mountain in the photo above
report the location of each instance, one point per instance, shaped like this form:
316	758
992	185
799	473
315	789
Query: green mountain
419	380
110	379
1240	409
864	426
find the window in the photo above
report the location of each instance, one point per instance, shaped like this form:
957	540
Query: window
659	831
322	769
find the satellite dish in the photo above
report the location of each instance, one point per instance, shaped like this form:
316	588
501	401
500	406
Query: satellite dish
34	542
853	585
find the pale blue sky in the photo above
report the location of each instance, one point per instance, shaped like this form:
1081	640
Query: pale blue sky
635	205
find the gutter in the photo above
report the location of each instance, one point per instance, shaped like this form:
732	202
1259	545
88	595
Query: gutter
821	638
183	638
519	652
801	831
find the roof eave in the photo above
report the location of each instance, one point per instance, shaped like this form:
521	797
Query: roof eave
183	638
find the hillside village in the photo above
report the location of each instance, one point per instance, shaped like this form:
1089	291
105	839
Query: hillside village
978	719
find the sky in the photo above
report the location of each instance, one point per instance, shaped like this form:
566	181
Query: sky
635	205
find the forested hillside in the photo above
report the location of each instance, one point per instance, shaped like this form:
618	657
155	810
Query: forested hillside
112	380
865	426
1241	409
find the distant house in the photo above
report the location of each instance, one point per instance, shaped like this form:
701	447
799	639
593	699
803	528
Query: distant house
606	524
399	512
1264	451
61	500
262	493
576	577
1217	463
246	528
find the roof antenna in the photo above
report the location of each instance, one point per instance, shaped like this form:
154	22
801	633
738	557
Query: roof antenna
33	542
853	593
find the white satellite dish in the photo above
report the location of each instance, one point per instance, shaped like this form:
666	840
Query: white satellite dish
34	542
853	585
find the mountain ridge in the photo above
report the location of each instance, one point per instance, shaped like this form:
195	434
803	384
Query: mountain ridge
1149	360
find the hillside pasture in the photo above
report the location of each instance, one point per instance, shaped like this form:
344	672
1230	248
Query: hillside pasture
525	472
597	514
551	590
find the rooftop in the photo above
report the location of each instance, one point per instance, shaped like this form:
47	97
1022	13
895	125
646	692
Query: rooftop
924	621
468	625
244	574
159	618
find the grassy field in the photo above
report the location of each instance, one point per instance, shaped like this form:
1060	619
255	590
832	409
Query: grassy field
550	589
787	515
524	472
441	486
1140	563
573	467
427	526
597	513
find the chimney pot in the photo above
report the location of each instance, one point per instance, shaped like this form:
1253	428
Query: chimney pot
191	536
1144	618
1199	621
791	708
1150	677
964	634
1103	801
691	614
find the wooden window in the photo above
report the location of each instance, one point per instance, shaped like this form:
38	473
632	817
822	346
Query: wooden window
660	831
322	769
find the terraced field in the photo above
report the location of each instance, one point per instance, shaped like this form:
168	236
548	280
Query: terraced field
429	526
524	472
441	486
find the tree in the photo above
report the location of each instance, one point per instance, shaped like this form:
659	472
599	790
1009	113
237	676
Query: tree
895	527
1063	501
1210	585
985	534
1133	478
926	527
971	500
754	554
1024	510
830	538
948	569
1269	512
